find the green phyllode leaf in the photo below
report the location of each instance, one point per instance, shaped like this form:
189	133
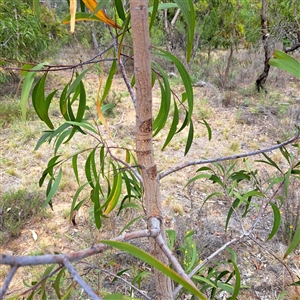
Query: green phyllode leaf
144	256
295	242
285	62
29	78
277	220
188	11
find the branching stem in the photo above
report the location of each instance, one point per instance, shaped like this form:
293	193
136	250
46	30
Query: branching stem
64	259
225	158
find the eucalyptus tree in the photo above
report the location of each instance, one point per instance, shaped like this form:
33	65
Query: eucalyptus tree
279	23
26	33
284	23
130	179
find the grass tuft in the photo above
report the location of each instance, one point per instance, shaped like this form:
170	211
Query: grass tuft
16	209
10	112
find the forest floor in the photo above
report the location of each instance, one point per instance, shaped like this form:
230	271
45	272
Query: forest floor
241	120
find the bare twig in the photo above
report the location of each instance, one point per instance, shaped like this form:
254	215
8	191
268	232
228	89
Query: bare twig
130	167
80	281
19	261
209	258
68	67
173	260
33	288
224	158
7	281
265	205
72	257
54	68
234	240
121	278
123	71
277	258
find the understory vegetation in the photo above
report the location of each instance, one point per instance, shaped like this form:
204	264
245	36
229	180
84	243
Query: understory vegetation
182	184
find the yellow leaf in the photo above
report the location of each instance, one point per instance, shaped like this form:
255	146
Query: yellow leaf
114	196
91	5
73	4
102	119
80	16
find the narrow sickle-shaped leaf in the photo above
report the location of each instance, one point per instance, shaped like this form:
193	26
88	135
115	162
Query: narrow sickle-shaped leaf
188	11
237	285
186	79
75	167
277	220
53	188
144	256
91	5
173	128
120	9
153	13
27	87
285	62
295	242
189	139
115	193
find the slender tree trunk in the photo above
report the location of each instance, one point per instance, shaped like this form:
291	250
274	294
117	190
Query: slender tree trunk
144	143
94	39
260	82
229	60
233	41
169	27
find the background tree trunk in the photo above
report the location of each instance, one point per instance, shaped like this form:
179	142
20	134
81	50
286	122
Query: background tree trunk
144	143
232	45
261	80
169	28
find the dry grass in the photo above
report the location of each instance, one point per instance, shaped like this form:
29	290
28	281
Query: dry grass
246	123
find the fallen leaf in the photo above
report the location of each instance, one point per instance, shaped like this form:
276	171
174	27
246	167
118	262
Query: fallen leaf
34	235
74	217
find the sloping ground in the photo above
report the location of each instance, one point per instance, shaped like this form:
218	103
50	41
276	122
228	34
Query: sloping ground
249	121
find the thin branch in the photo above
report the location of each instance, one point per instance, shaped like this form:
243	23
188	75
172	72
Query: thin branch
87	61
173	260
121	278
281	261
264	206
72	257
206	260
224	158
19	261
80	281
175	17
123	71
236	239
130	167
67	67
7	281
33	288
